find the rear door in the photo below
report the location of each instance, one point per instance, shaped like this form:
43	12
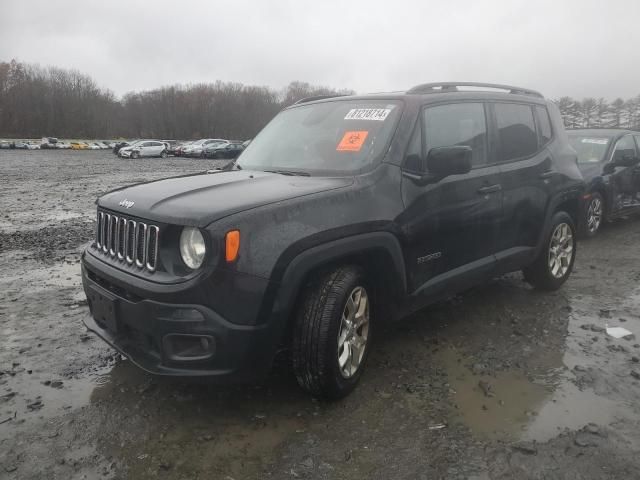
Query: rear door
158	147
521	132
624	179
451	225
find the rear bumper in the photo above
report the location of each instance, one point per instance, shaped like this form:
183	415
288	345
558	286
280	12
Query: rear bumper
177	339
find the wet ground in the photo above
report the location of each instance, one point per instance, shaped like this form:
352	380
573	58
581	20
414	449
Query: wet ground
500	382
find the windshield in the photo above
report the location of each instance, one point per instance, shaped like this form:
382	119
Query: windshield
591	149
326	138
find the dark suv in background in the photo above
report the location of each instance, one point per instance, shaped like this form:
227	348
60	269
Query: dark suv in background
342	213
609	162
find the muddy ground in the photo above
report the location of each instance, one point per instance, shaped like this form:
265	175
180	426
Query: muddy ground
500	382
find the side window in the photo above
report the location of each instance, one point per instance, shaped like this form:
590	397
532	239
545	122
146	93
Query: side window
415	161
624	147
517	136
457	124
544	124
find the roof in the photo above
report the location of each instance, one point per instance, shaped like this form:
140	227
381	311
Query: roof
608	132
437	92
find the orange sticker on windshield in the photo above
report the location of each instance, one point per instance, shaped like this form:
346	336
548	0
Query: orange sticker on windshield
352	141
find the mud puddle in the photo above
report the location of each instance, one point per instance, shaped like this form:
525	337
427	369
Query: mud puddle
222	430
30	276
557	392
29	221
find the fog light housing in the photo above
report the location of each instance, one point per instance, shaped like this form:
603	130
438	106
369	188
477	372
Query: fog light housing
184	347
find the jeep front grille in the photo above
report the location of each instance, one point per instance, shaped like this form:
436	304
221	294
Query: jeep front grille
128	240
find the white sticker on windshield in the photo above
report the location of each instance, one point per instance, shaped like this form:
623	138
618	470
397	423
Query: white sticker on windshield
597	141
378	114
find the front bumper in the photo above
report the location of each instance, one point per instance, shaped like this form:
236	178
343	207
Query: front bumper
125	154
176	339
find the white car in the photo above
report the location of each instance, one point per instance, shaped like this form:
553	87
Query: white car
144	148
33	146
63	145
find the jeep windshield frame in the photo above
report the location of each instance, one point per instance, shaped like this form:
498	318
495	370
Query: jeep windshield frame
338	137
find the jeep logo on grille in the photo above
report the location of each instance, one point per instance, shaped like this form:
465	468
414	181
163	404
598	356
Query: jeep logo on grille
126	203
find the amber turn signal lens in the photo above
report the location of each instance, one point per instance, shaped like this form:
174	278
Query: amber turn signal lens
232	244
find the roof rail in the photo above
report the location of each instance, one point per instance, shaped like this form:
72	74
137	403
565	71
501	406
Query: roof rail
318	97
446	87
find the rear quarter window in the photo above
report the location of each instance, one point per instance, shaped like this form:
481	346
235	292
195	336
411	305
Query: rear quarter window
544	125
517	137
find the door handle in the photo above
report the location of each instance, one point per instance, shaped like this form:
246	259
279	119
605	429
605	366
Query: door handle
490	189
547	174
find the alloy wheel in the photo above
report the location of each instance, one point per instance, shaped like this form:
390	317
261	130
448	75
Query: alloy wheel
560	250
354	332
594	215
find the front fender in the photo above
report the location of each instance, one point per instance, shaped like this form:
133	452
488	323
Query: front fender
293	268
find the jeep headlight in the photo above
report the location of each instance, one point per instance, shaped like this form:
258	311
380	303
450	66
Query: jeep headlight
192	247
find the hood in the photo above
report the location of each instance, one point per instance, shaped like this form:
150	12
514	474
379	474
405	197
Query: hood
204	198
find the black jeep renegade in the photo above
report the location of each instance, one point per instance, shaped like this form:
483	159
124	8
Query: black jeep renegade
342	213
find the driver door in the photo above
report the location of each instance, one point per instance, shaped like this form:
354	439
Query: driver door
452	224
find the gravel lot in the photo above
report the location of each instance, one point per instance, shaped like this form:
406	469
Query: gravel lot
500	382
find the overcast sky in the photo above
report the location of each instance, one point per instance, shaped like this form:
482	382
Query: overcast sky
560	47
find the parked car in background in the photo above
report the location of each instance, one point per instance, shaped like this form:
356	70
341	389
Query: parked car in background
21	145
119	145
208	149
48	142
196	149
78	146
609	160
4	144
342	213
144	148
229	150
63	145
181	147
171	144
33	146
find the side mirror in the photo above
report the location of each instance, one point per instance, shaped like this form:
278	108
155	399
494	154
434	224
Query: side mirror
626	160
445	161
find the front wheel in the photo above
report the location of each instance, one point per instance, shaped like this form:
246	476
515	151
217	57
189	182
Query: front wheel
554	263
332	333
134	155
594	215
163	154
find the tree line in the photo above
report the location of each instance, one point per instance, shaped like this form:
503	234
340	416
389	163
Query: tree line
599	113
49	101
37	101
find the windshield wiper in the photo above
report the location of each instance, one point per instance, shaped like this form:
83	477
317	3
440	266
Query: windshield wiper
290	172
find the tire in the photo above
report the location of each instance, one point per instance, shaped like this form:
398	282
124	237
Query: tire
320	361
163	154
545	273
134	155
593	215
